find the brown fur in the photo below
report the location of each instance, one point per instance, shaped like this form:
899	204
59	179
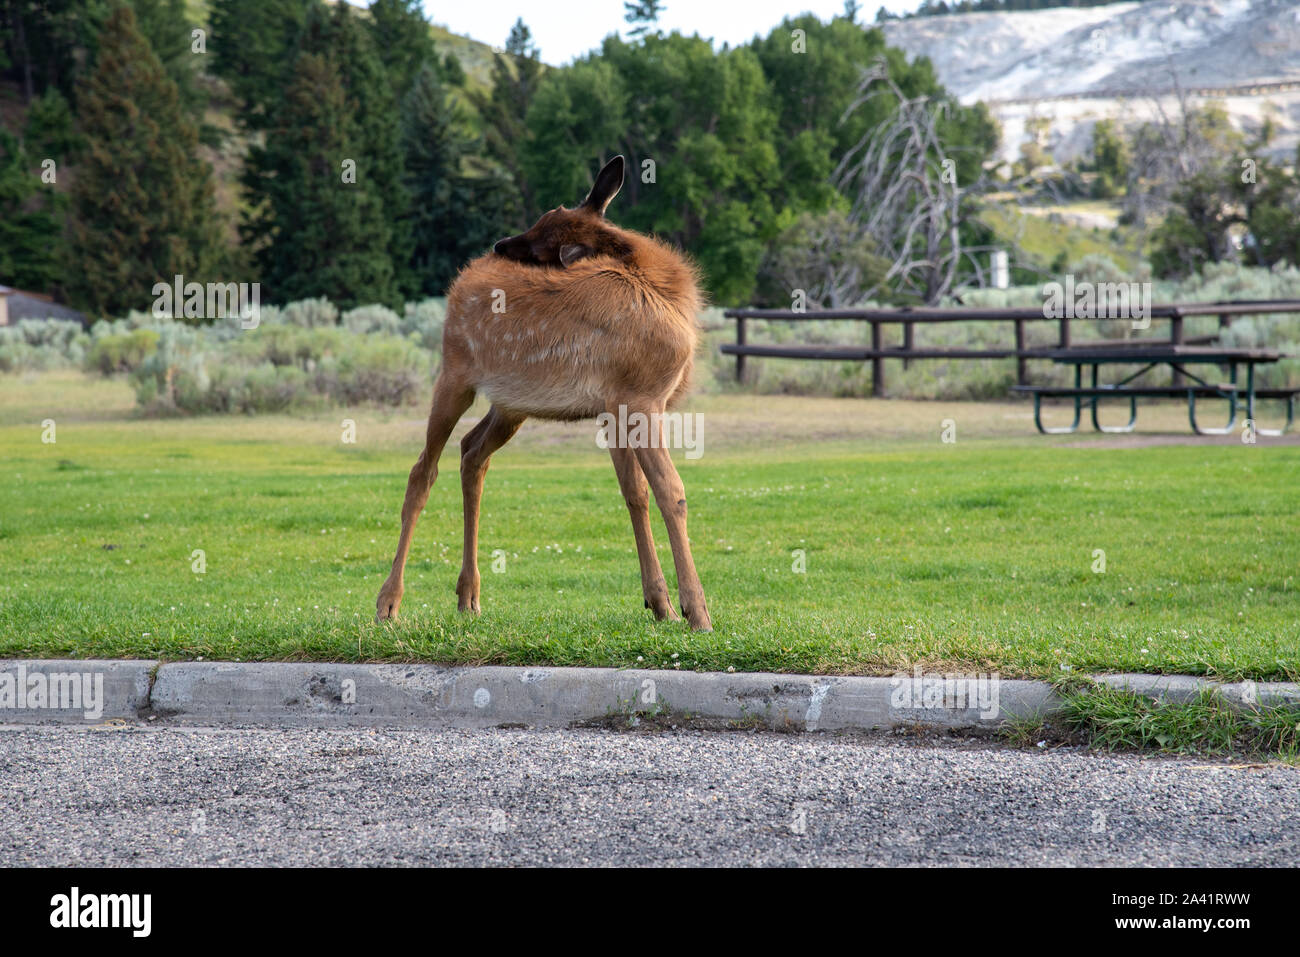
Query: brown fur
567	337
566	321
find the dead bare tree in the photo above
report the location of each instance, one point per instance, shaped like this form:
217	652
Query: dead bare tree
1172	148
904	191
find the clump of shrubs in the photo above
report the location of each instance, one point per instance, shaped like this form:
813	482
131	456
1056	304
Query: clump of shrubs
290	362
312	314
39	345
299	357
121	351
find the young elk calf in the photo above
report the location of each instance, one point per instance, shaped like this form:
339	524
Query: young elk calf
569	320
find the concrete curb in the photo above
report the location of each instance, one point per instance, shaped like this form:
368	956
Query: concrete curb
424	695
295	694
90	691
1180	689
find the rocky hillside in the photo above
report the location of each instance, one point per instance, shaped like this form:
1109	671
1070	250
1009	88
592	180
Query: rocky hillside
1075	66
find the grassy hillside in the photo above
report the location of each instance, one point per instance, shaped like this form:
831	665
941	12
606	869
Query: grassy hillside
1043	235
475	58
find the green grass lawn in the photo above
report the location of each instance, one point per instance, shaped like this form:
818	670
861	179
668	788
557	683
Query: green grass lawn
973	555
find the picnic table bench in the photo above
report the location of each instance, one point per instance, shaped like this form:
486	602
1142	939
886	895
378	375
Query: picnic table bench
1021	318
1150	356
1178	351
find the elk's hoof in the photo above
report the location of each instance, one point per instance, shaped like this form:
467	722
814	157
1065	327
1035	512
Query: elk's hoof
467	591
698	621
387	606
662	609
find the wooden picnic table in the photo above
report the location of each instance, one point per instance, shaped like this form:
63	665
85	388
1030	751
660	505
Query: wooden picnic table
1151	356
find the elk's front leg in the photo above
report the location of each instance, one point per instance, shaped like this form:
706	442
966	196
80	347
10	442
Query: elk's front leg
476	450
670	495
450	400
633	484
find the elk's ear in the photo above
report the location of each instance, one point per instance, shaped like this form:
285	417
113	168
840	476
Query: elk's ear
510	247
571	253
608	182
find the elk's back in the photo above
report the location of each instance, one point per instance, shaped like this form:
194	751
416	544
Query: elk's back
570	343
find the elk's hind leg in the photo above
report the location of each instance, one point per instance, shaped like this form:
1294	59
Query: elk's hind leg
494	431
450	400
670	495
633	483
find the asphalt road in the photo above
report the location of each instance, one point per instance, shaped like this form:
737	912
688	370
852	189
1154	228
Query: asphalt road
130	795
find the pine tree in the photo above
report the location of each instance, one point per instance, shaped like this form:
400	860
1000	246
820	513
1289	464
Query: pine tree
434	149
402	39
515	79
642	14
320	235
52	129
142	202
46	44
455	216
361	251
378	151
252	46
167	27
28	220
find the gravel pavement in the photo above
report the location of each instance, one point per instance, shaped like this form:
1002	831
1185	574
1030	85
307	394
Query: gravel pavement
123	794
